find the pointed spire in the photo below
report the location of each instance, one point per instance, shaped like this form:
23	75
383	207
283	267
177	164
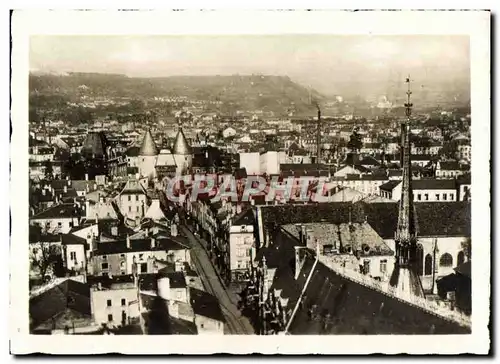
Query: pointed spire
181	145
406	229
404	277
148	146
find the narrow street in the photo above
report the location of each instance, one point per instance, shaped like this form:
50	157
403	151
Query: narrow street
235	324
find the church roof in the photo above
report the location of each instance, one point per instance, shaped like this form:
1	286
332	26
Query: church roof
181	145
148	146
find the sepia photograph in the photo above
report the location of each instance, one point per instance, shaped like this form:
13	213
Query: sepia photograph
251	183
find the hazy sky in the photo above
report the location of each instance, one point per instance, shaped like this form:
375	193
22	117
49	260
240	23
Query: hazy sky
320	61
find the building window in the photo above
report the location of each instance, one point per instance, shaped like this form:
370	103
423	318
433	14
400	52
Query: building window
383	266
110	317
444	196
419	197
426	197
137	197
108	303
446	260
104	266
144	267
137	208
428	265
123	302
130	209
437	197
129	198
452	197
72	255
122	256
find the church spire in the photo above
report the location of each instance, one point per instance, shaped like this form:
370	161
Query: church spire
404	277
406	230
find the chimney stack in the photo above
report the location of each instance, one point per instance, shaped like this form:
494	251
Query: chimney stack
153	243
65	189
86	176
128	241
69	182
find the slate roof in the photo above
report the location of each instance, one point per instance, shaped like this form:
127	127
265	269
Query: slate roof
133	187
246	217
132	151
177	279
137	245
390	185
181	145
70	294
449	166
205	304
64	211
70	239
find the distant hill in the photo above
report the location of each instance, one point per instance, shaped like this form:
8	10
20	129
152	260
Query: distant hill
252	92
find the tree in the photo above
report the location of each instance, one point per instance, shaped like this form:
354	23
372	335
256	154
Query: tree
49	171
355	143
44	256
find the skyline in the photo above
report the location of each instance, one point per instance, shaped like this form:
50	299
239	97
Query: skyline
331	64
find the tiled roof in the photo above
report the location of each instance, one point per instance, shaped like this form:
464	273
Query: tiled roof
181	145
69	295
441	218
95	145
434	218
335	305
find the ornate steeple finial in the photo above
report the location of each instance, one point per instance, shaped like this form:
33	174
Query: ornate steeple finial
404	276
406	232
